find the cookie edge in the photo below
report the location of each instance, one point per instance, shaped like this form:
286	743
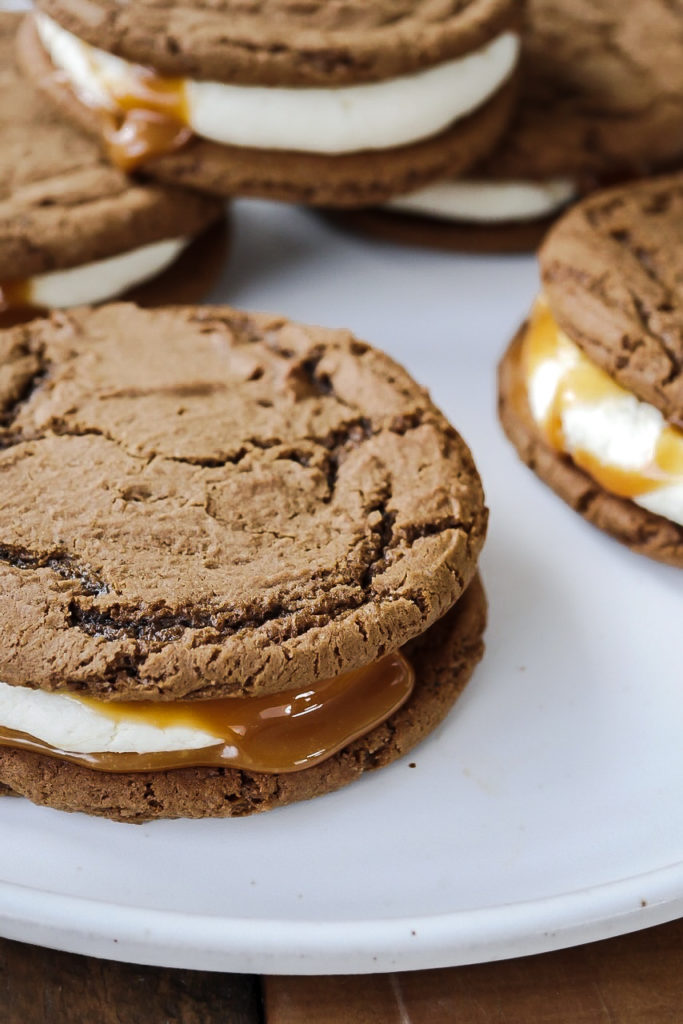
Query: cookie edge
316	179
448	653
641	531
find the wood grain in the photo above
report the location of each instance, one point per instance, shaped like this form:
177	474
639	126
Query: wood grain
40	986
635	979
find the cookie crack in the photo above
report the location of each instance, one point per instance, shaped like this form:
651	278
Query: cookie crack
560	273
645	318
646	315
31	384
60	563
280	622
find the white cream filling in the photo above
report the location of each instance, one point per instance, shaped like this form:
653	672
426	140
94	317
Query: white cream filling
64	723
103	279
488	202
619	431
345	119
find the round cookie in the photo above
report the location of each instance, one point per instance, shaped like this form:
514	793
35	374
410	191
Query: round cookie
601	101
281	42
63	208
277	46
444	658
611	270
642	531
237	504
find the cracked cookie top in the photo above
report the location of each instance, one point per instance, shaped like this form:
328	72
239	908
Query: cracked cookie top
61	203
612	269
602	91
286	42
200	502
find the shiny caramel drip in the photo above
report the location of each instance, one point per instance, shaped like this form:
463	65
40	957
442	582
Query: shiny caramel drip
147	118
584	383
16	306
141	135
150	118
283	732
15	295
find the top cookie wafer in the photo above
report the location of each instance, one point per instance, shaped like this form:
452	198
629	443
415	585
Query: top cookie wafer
612	270
236	504
284	42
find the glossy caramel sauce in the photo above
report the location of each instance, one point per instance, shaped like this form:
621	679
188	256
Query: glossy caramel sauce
283	732
148	123
584	383
15	295
146	119
16	306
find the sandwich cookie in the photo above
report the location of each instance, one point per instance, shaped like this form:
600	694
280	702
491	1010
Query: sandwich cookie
601	101
320	103
591	389
258	576
73	229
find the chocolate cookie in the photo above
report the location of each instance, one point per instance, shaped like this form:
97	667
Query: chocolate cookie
323	106
591	391
601	101
240	507
281	42
73	228
237	503
444	658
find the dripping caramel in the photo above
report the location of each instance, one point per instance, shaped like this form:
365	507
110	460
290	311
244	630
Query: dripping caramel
16	305
584	383
147	118
15	295
284	732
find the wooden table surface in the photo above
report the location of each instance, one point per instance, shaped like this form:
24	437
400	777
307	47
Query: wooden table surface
635	979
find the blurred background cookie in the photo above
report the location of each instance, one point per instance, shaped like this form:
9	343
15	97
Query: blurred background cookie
601	101
345	105
241	508
591	390
74	229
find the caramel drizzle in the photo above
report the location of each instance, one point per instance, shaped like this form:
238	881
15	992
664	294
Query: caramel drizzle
16	306
584	383
146	118
14	295
284	732
149	119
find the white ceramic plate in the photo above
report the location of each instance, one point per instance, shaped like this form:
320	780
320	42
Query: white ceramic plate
546	811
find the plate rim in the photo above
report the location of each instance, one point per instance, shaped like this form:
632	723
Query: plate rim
176	939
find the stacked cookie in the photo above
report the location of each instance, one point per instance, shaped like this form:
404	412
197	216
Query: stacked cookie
601	102
591	389
258	575
322	103
257	578
239	555
73	228
347	106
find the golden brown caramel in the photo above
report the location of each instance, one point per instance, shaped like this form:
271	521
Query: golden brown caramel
15	295
283	732
146	119
584	383
16	306
149	91
141	135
